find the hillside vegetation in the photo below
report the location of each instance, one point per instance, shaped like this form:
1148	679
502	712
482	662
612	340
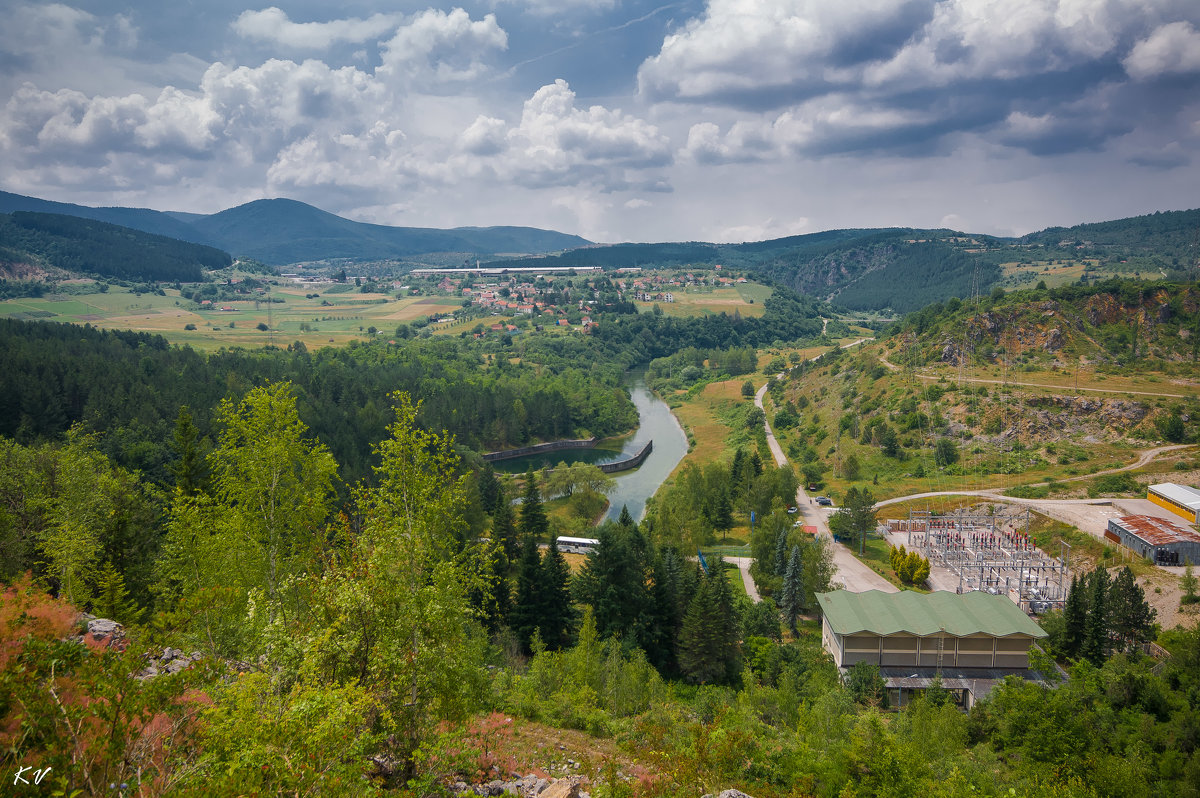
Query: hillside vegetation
1116	322
85	246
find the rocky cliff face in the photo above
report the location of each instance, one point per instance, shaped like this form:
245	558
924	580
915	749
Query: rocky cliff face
1100	327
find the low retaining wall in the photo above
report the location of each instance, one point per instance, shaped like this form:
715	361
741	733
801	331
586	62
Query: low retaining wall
538	448
629	462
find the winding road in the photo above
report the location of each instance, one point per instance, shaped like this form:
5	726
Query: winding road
853	573
933	377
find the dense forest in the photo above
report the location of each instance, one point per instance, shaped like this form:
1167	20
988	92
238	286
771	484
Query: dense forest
97	248
918	274
130	387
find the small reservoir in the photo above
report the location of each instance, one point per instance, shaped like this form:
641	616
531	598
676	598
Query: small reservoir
633	488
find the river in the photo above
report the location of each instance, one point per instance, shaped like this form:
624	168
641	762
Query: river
633	488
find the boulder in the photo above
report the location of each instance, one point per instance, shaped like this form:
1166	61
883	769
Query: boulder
104	633
563	788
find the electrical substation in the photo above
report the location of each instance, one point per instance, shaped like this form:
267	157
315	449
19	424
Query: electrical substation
990	551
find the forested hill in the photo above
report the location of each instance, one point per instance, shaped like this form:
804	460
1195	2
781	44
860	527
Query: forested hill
79	245
282	231
144	219
1171	236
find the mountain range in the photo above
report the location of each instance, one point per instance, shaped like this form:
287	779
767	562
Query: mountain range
282	231
896	269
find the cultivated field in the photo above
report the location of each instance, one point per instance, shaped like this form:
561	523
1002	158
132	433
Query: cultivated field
747	299
334	317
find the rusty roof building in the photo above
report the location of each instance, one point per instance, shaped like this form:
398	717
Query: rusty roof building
1161	541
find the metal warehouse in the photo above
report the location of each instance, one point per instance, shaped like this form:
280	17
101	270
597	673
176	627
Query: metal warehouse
1179	499
1161	541
972	641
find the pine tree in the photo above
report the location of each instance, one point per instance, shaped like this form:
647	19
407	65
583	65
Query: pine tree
490	490
698	639
558	615
708	640
779	563
791	599
626	519
664	609
1132	618
112	599
1075	618
190	470
613	582
534	523
503	531
723	513
528	608
1095	639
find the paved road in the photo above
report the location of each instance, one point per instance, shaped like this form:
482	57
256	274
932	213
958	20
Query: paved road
851	572
743	564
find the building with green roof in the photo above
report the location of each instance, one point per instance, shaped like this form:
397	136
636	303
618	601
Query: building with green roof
971	640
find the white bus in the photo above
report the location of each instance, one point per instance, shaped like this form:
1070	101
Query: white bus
577	545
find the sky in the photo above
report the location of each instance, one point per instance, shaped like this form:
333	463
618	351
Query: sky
618	120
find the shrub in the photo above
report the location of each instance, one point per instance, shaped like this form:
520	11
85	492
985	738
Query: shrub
1113	483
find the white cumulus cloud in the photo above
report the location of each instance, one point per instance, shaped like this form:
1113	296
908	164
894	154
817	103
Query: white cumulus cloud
557	143
442	46
273	25
1173	48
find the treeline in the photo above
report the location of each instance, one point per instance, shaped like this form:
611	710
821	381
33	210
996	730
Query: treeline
91	247
1167	236
130	387
690	364
787	316
621	256
1102	615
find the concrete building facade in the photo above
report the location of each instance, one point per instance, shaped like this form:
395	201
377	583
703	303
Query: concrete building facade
970	641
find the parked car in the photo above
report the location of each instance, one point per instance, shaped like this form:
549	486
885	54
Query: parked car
824	501
792	510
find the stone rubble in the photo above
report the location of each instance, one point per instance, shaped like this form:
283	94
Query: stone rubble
529	786
105	633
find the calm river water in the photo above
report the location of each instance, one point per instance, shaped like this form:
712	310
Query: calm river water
656	423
